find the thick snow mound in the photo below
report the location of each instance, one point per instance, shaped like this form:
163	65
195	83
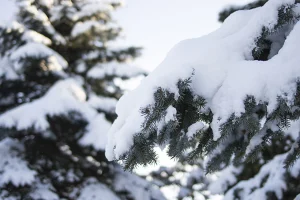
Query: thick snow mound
224	73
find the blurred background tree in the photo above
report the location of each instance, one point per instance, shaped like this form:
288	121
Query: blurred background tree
60	75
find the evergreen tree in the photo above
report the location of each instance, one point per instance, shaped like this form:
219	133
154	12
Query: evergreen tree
226	99
58	90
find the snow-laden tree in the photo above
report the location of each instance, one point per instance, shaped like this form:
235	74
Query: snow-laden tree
231	98
59	76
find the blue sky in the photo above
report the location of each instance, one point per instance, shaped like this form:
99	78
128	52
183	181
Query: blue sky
157	25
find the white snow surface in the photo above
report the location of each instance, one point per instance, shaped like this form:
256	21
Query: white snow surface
224	73
33	36
195	128
171	114
101	71
106	104
170	191
47	3
96	134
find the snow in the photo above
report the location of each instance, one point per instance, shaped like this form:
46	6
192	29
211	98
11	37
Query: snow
96	134
101	71
92	55
56	11
40	16
47	3
170	191
224	179
194	128
82	27
92	189
64	96
13	168
33	36
39	50
43	191
128	84
224	74
92	7
80	67
6	69
105	104
171	114
258	138
275	172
